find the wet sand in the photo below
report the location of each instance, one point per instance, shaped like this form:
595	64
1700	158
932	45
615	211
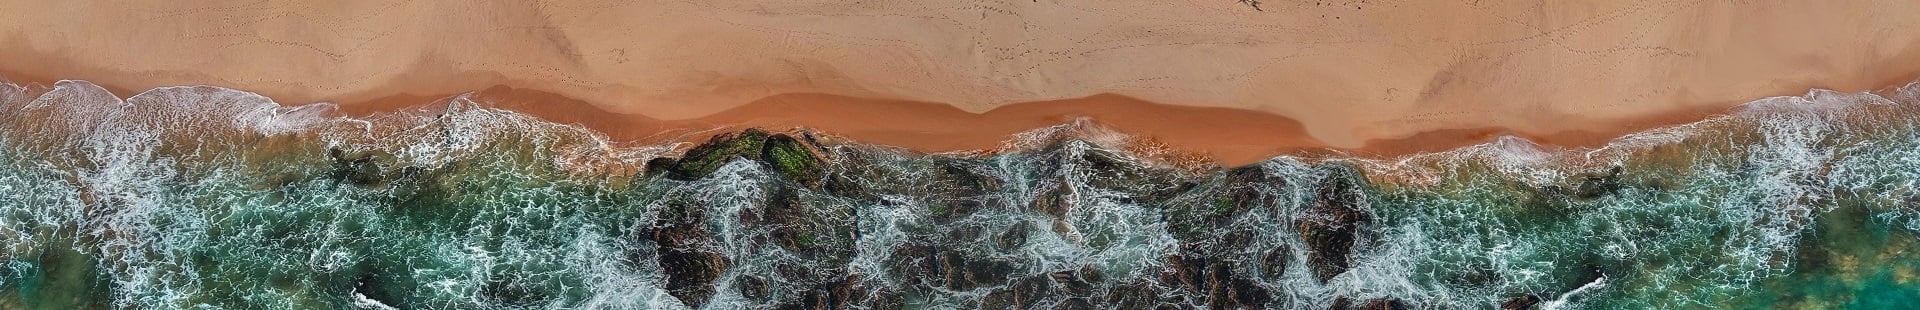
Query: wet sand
1224	136
1213	77
1228	136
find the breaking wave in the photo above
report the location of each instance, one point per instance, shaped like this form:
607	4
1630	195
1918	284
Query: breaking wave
204	197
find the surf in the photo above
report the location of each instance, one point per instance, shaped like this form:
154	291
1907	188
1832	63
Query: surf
209	197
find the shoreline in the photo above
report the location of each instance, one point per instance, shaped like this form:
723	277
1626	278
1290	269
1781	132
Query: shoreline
1385	77
1223	136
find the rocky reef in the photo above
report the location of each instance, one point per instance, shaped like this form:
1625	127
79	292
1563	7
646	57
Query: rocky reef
973	229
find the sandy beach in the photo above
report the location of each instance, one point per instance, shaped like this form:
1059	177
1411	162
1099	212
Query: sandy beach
1222	78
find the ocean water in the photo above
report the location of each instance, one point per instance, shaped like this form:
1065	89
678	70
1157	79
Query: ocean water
211	198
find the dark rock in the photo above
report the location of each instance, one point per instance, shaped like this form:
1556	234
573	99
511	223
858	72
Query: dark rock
1185	272
690	274
372	286
793	158
1522	302
1599	185
1215	279
854	169
847	292
968	233
1273	263
1075	303
812	229
1091	274
846	186
1331	227
885	299
661	165
1144	184
681	236
1226	291
789	217
720	149
1021	294
1051	201
796	160
967	273
954	270
1344	303
1232	195
1014	237
1072	283
914	264
1341	303
1384	304
1137	294
752	287
959	191
1243	189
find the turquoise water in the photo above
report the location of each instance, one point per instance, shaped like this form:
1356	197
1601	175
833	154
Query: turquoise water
208	198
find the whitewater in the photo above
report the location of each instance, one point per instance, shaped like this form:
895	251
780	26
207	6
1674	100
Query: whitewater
209	198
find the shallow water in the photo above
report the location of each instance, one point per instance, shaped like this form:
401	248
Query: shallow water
201	197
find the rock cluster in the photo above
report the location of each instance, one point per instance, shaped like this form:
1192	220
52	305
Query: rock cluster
975	223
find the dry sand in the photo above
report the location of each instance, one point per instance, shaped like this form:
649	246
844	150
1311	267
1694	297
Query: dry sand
1396	76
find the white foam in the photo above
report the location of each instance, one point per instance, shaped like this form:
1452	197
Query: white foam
361	301
1566	299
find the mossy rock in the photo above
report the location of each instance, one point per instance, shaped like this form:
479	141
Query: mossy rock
707	157
794	159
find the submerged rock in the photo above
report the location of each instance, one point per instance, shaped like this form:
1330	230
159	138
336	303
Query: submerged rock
1051	201
1079	284
359	169
752	287
1138	294
1599	185
1214	283
1273	263
1021	294
370	286
847	292
1074	304
1014	237
1344	303
1522	302
936	266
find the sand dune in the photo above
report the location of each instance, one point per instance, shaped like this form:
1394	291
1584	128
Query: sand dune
1349	72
